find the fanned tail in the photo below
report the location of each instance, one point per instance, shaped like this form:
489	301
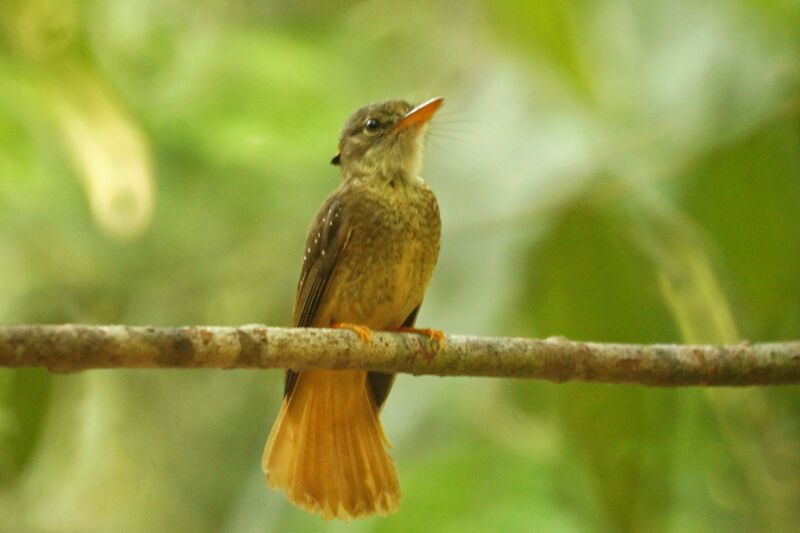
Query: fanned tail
327	449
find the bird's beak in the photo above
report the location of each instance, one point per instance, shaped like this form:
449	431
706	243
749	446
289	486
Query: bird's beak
420	114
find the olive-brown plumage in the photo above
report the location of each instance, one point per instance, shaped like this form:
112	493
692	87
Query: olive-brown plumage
369	255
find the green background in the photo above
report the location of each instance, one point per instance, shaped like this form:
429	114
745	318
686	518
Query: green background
608	170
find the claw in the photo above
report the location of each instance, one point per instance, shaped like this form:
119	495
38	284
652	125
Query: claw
432	334
363	332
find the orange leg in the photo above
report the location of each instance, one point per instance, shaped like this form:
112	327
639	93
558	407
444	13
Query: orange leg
363	332
432	334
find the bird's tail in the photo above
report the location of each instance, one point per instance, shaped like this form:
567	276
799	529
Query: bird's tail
327	449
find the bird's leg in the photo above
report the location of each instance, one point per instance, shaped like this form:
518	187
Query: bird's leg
363	332
432	334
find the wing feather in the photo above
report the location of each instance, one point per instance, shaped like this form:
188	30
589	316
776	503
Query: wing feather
327	240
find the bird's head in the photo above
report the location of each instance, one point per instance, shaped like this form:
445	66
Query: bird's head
385	139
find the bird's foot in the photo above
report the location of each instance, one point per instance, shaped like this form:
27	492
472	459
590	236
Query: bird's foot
432	334
363	332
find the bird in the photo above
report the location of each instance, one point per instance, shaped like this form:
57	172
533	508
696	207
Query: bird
368	258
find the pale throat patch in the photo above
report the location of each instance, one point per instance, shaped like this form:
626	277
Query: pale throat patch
406	156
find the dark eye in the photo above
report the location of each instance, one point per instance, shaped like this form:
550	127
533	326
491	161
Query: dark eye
372	125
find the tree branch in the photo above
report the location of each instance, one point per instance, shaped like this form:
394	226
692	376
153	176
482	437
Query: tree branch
72	348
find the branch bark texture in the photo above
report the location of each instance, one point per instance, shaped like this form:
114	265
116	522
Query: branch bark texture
72	348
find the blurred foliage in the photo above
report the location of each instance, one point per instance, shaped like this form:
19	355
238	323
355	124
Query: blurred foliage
608	170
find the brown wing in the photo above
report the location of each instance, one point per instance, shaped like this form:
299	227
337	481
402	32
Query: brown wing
326	241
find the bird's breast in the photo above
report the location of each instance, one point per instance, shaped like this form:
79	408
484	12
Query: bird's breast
389	258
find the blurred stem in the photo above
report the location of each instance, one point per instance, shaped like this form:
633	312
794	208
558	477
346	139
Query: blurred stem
700	307
71	348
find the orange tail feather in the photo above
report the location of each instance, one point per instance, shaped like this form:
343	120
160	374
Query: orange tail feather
327	449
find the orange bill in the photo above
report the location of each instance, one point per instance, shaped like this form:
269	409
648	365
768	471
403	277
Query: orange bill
420	114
